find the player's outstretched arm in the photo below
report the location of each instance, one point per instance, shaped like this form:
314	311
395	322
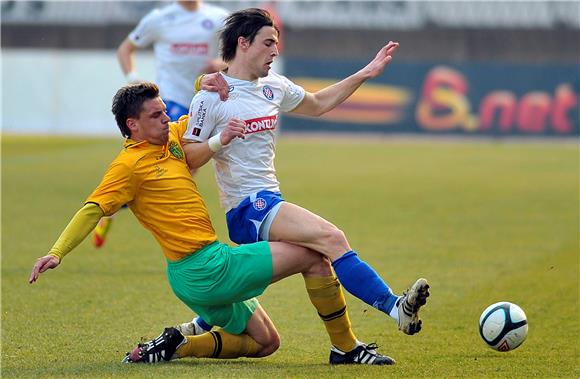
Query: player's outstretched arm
79	227
316	104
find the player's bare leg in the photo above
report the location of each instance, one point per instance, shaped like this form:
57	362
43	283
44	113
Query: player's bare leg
300	226
260	339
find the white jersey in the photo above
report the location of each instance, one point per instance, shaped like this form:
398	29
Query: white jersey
183	42
244	166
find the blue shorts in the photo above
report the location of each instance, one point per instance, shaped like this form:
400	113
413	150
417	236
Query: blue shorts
250	221
174	110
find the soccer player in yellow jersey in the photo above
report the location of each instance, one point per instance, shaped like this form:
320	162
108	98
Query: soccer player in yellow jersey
183	35
151	175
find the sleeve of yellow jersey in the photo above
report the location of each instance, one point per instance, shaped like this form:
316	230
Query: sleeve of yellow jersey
181	126
79	227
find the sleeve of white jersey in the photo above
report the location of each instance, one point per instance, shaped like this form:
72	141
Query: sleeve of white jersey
293	94
145	33
202	118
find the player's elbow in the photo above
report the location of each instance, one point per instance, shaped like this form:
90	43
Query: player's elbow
312	105
194	163
194	155
311	111
316	112
319	108
125	49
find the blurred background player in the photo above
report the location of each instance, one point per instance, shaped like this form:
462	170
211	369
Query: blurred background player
185	43
184	39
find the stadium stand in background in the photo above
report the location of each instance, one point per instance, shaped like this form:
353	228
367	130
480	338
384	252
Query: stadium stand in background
514	30
404	15
517	60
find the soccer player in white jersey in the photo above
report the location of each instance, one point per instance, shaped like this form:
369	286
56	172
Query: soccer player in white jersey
239	135
185	43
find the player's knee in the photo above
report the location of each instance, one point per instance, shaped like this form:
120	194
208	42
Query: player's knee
319	265
335	239
271	345
276	342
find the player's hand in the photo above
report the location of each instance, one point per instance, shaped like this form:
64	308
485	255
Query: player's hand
42	264
383	58
235	128
133	78
215	83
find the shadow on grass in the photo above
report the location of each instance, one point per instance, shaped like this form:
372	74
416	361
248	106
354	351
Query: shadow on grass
257	363
185	367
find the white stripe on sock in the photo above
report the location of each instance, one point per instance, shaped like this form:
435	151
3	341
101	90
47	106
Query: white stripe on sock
394	312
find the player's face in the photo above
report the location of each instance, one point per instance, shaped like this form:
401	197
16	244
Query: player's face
263	51
153	123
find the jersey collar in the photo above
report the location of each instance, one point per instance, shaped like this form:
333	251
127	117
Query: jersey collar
129	143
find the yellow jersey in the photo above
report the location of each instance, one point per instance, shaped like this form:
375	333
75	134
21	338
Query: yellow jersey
154	180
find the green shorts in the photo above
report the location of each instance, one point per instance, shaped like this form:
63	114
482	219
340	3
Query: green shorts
220	282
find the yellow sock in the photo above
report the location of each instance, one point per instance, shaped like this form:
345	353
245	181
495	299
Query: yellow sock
327	297
219	344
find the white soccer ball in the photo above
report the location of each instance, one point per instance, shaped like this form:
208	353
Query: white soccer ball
503	326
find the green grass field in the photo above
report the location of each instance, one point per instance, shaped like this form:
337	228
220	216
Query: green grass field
484	222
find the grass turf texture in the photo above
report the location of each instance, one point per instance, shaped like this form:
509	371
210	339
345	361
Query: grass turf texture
484	222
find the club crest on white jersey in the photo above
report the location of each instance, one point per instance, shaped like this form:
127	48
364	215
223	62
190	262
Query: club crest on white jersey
268	92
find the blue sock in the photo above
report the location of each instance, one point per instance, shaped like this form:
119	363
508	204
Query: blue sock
202	323
358	278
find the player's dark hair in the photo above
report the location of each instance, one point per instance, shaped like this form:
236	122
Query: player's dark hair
245	23
128	103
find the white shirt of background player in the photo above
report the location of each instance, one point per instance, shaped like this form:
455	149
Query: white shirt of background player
185	43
